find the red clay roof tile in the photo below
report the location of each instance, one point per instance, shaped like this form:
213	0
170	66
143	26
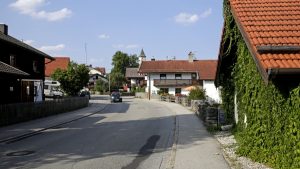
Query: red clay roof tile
205	68
59	62
270	23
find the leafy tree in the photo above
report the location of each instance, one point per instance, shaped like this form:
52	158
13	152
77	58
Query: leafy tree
73	79
120	62
101	86
197	94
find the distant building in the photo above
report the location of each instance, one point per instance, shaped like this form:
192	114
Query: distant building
179	76
134	78
59	63
95	75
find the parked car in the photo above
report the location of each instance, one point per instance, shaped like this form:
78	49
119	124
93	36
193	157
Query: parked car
115	97
84	93
52	89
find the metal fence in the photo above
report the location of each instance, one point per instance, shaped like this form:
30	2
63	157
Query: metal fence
19	112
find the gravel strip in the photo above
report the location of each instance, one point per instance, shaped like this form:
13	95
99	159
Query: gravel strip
229	145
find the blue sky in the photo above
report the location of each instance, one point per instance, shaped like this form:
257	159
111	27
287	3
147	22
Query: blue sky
163	28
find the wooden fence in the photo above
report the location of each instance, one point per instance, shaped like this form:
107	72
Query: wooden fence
19	112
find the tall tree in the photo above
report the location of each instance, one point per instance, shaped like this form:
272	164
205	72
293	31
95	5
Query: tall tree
73	79
120	62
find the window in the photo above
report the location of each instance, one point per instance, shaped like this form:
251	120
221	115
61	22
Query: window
46	87
12	60
35	66
194	76
163	76
177	90
178	76
164	90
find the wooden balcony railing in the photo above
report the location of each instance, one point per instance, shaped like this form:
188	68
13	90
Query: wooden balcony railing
174	82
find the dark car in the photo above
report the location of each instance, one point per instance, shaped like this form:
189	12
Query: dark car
115	97
85	93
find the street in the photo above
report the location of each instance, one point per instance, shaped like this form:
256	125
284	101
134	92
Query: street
133	134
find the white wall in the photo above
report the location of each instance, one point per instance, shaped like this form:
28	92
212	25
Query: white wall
154	89
211	91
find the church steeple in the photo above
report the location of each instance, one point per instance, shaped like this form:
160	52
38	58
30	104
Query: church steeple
142	57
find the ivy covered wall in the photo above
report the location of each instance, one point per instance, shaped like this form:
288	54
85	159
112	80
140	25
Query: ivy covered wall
272	132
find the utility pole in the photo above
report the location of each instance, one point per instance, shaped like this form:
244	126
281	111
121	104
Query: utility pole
85	48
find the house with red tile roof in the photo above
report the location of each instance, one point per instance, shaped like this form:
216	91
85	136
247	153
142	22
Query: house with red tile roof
59	63
102	70
178	76
259	75
135	78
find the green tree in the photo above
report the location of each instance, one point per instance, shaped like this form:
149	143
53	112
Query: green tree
101	86
120	62
197	94
73	79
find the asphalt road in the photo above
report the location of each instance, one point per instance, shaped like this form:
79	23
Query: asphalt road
128	135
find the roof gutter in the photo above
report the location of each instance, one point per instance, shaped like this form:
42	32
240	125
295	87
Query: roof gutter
273	72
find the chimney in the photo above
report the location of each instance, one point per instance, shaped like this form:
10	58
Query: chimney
191	57
3	29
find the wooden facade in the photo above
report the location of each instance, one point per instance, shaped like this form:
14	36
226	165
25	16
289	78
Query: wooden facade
18	57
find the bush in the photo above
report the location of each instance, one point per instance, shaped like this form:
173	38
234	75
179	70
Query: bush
197	94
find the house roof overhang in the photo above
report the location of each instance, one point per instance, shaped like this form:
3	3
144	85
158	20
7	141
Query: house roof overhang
10	70
273	41
17	43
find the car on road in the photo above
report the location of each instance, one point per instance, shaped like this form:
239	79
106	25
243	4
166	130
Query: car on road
85	93
115	97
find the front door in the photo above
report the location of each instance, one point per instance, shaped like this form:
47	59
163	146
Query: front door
27	91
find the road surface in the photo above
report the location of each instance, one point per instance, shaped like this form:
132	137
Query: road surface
133	134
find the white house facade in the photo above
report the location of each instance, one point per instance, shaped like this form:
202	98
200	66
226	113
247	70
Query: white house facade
178	77
172	83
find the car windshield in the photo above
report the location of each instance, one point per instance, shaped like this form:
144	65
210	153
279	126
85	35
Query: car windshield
115	94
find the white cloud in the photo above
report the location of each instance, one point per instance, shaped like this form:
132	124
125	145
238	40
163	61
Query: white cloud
104	36
30	7
206	13
29	42
122	46
52	48
186	18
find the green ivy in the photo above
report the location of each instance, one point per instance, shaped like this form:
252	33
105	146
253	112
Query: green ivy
272	132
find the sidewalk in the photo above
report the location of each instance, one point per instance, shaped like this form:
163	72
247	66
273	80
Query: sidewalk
32	127
195	147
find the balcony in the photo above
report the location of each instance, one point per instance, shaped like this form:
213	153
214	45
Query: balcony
174	82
